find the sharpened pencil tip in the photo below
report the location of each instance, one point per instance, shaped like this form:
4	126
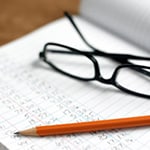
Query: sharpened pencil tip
17	133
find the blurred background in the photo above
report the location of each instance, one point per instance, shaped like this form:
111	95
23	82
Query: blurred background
19	17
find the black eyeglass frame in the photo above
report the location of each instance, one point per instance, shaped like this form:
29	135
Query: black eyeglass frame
122	58
97	74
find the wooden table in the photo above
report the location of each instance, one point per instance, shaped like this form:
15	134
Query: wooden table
19	17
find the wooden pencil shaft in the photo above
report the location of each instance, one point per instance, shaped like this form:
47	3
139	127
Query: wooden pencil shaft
88	126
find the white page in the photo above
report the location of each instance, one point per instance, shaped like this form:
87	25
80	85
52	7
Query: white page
32	93
129	19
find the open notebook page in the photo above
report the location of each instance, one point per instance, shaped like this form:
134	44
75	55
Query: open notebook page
128	19
32	94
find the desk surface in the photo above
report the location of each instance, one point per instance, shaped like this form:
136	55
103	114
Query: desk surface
20	17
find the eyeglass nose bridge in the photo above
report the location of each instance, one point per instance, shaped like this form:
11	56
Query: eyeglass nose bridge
98	75
105	81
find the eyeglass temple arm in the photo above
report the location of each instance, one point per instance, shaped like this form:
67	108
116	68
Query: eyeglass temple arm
98	52
109	55
78	31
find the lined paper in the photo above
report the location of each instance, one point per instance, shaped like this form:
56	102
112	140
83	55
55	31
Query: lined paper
33	94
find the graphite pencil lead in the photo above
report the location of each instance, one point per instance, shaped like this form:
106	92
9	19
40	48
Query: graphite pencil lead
17	133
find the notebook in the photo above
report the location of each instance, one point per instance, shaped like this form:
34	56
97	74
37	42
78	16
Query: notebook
33	94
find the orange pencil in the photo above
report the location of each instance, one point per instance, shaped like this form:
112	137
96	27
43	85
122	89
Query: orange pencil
83	127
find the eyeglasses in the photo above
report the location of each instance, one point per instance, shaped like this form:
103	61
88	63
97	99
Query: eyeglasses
83	65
